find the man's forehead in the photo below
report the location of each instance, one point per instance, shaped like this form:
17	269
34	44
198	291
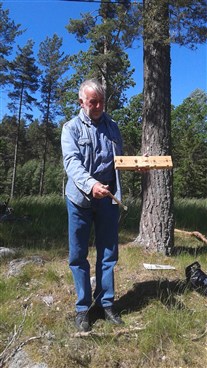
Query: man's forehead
91	93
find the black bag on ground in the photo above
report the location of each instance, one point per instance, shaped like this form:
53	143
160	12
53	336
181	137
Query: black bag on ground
196	277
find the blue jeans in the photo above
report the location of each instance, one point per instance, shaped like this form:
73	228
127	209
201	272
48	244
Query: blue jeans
105	216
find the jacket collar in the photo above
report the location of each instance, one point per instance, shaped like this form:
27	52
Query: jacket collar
86	120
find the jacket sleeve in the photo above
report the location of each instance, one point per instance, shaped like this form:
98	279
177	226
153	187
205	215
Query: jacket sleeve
73	160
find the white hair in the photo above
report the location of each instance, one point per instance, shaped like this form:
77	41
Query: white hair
91	83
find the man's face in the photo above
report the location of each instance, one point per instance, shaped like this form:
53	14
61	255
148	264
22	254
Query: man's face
92	104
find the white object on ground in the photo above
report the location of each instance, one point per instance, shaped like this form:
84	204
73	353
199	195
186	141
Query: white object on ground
151	266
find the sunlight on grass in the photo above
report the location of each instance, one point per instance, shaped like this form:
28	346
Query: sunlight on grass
8	289
169	327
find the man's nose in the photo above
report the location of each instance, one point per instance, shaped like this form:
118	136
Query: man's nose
99	104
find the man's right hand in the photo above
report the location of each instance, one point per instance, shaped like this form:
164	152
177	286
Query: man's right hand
100	191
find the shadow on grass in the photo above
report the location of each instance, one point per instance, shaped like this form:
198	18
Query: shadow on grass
141	294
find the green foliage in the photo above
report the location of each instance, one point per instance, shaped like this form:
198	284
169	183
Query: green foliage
81	27
30	148
24	78
8	128
54	64
8	139
189	141
34	136
188	22
184	24
108	33
8	33
129	120
28	177
54	178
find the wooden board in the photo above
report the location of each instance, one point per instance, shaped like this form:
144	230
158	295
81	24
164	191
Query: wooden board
136	162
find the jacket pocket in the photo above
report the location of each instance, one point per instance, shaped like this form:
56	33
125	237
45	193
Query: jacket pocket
84	141
85	147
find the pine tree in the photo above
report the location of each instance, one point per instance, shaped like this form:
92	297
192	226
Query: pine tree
55	64
109	32
183	22
24	78
8	33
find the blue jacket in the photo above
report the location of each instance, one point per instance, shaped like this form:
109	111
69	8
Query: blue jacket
78	157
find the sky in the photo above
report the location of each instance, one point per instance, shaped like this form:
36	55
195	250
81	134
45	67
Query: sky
42	18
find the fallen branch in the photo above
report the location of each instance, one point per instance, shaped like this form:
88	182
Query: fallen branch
109	334
15	335
17	348
198	235
9	352
197	338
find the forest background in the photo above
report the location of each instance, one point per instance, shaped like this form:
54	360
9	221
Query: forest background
30	155
165	320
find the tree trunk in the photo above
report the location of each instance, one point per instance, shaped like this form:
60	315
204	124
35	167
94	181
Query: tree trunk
156	232
16	145
104	67
43	164
104	76
44	157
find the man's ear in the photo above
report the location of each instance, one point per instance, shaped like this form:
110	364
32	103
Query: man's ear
80	102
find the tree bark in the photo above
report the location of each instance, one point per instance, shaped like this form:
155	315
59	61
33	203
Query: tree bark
44	157
156	231
16	144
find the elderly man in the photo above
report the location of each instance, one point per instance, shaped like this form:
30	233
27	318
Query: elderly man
89	143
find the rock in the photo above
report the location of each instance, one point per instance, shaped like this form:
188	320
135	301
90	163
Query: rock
49	335
6	252
48	299
16	265
22	360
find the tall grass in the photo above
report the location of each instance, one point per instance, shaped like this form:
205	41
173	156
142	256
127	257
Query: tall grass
190	214
47	226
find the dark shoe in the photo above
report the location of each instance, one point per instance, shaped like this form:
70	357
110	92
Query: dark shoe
112	317
82	321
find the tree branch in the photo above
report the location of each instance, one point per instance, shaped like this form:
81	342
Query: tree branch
197	235
8	353
110	334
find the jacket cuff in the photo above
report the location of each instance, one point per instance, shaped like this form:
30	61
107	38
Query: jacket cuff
88	185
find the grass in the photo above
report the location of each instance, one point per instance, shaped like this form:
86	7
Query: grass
47	224
165	321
